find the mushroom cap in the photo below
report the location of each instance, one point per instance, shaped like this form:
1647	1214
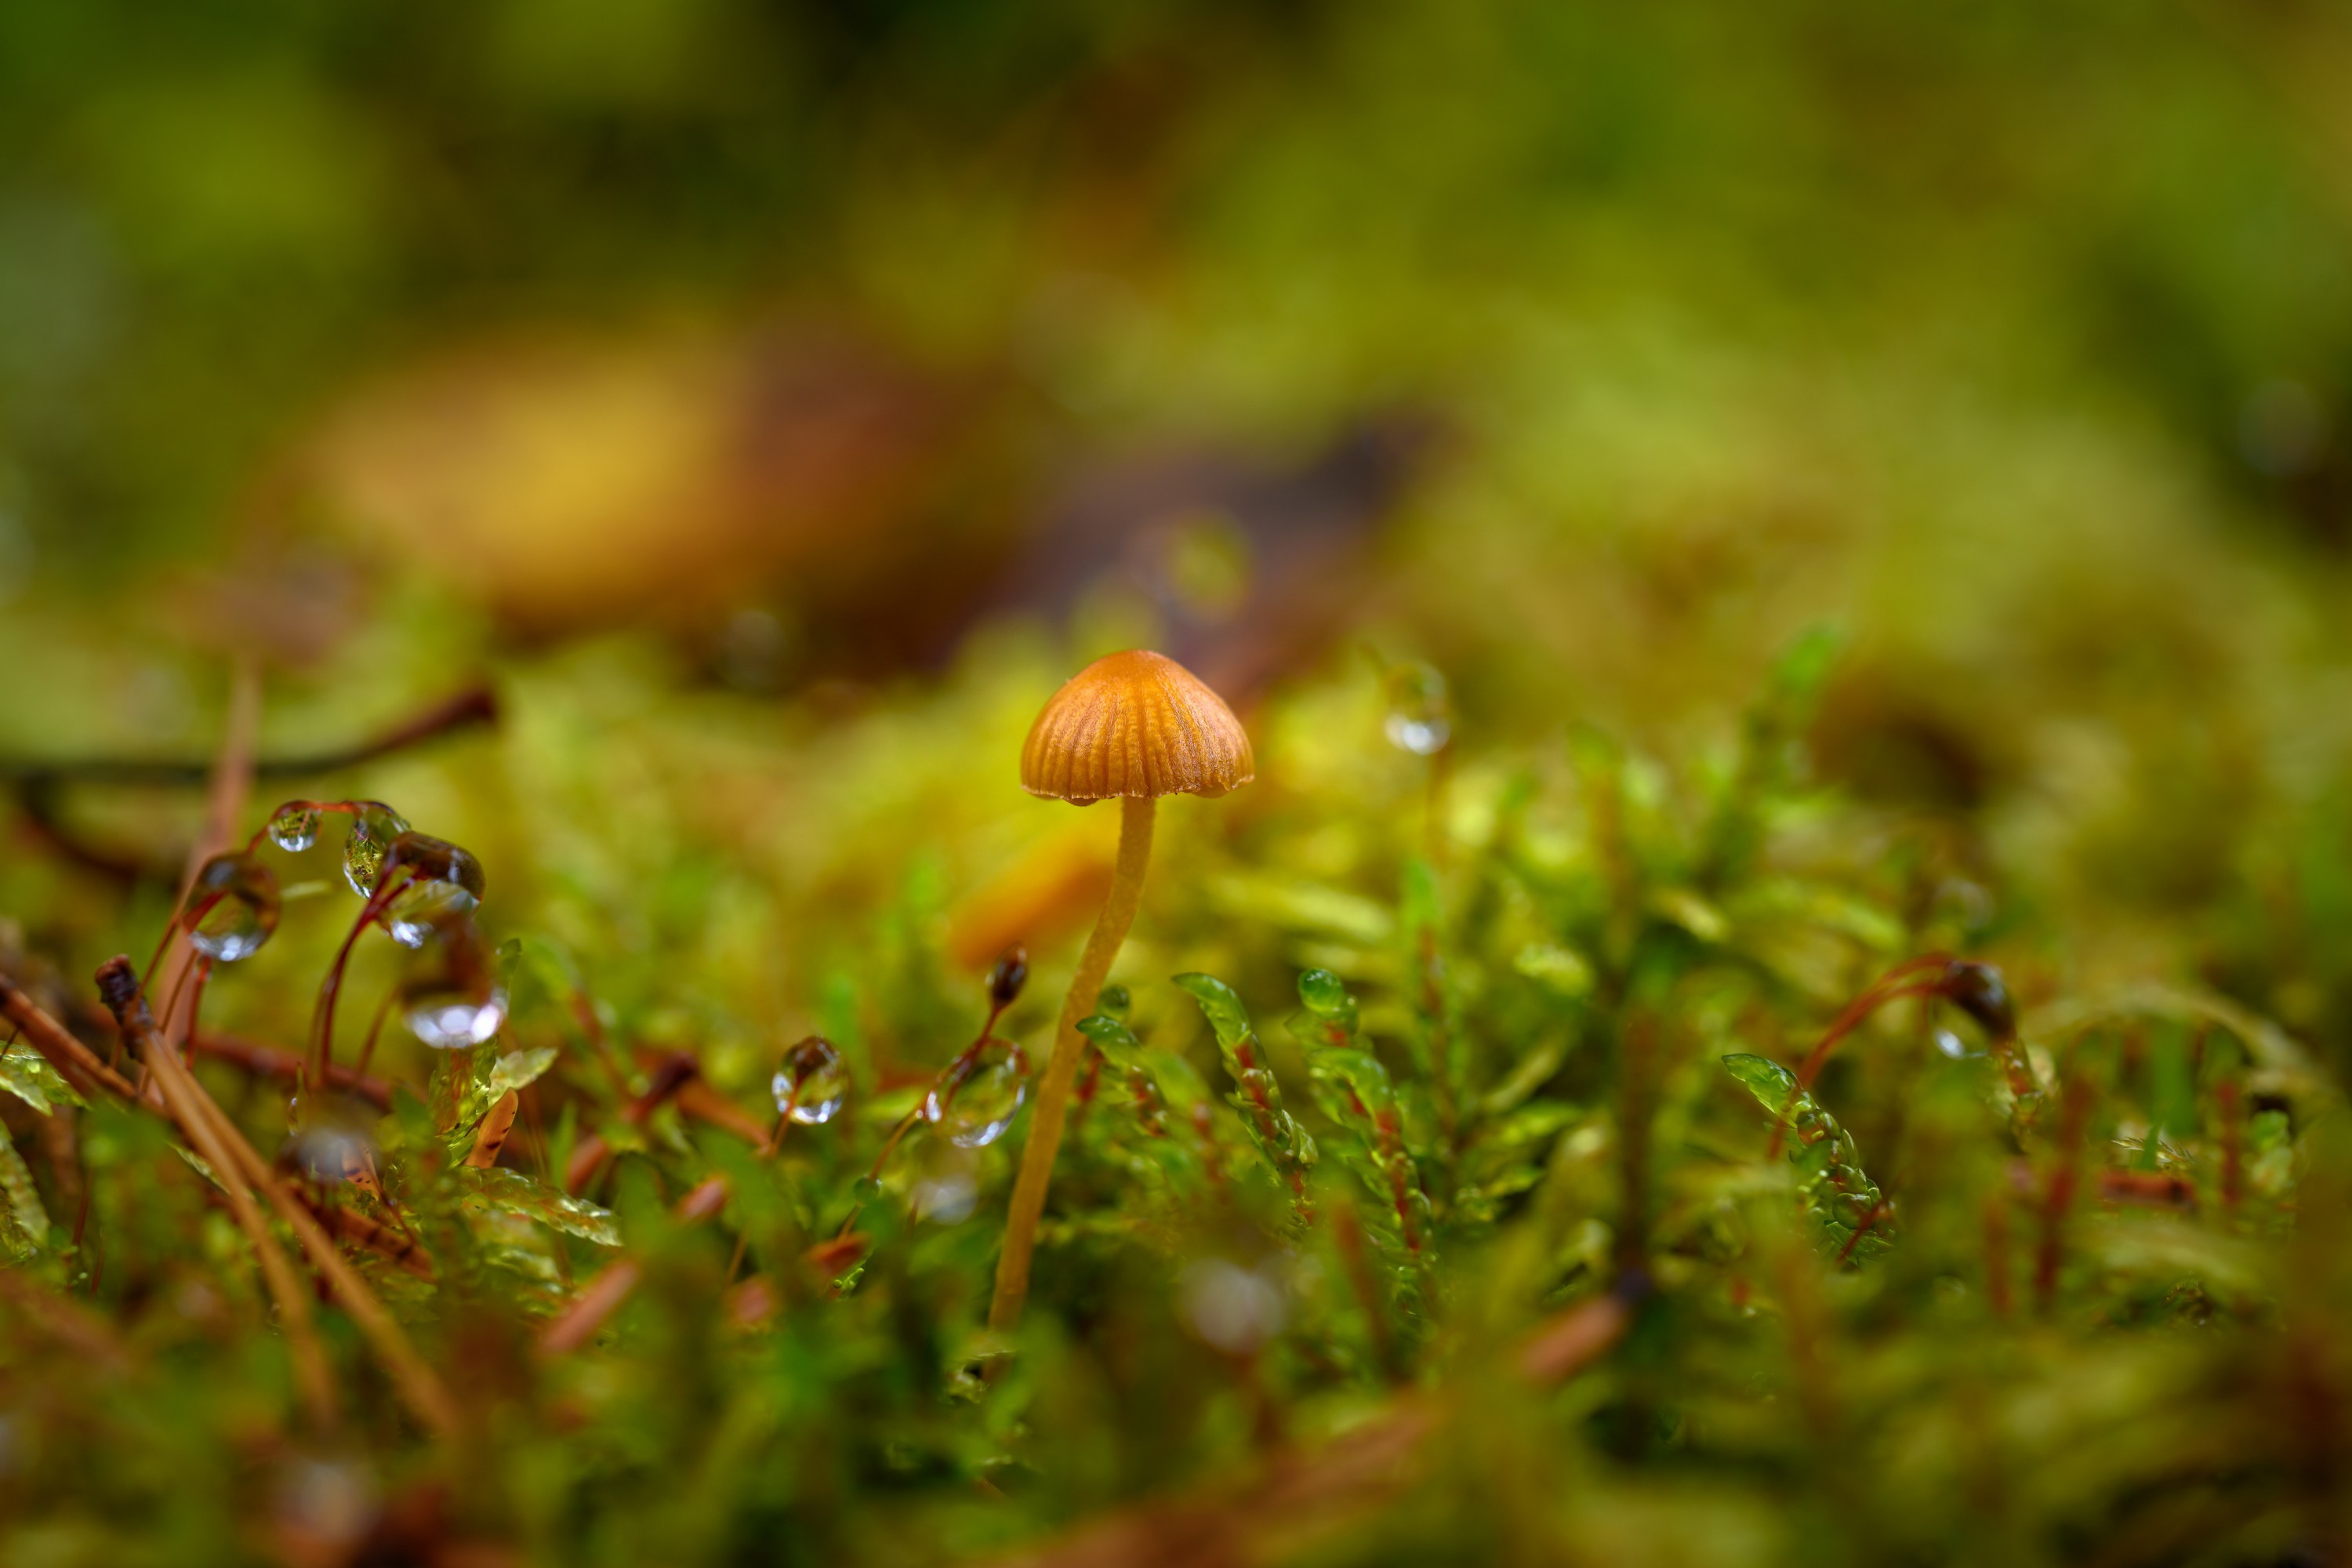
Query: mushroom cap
1135	723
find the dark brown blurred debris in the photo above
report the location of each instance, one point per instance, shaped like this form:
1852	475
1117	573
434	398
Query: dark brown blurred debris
803	502
1252	565
40	785
1894	744
291	609
573	483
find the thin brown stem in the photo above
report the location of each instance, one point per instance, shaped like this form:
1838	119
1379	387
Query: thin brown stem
179	1100
2233	1143
72	1059
2058	1198
1897	982
267	1061
375	1032
231	780
412	1377
323	1016
1996	1239
610	1290
1061	1071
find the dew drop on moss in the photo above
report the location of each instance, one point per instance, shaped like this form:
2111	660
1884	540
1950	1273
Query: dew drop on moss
1418	718
450	996
1952	1046
975	1100
232	908
454	1023
294	827
946	1188
1978	989
373	828
332	1138
1325	995
811	1084
444	883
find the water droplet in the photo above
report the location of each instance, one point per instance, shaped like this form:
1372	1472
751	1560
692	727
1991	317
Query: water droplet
373	828
811	1084
450	996
1952	1046
452	1024
976	1098
1113	1002
1326	996
1418	719
1422	737
947	1186
333	1139
444	883
324	1507
1236	1310
294	827
232	908
1978	989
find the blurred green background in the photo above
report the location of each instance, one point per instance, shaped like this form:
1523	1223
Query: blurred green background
764	406
735	372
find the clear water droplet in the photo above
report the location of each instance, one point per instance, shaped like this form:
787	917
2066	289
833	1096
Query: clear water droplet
452	1024
232	908
1419	718
1422	737
444	883
294	827
1326	996
1234	1308
947	1185
450	996
324	1507
373	828
1978	989
976	1100
332	1138
811	1084
1952	1046
415	910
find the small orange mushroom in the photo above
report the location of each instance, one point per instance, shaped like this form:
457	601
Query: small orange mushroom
1130	727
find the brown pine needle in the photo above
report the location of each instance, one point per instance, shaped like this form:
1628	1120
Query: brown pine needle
72	1059
412	1376
180	1099
232	782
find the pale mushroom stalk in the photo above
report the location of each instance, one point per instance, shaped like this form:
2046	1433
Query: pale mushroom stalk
1130	727
1062	1068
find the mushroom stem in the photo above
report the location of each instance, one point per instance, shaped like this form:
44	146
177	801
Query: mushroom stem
1061	1071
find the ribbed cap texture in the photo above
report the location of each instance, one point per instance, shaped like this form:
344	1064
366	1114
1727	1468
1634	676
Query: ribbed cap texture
1135	723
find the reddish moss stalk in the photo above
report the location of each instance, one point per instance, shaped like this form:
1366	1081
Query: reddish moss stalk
673	1073
2233	1143
610	1290
322	1018
2059	1200
1894	985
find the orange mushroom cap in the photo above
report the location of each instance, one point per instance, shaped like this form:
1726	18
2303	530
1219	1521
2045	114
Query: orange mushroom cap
1135	723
